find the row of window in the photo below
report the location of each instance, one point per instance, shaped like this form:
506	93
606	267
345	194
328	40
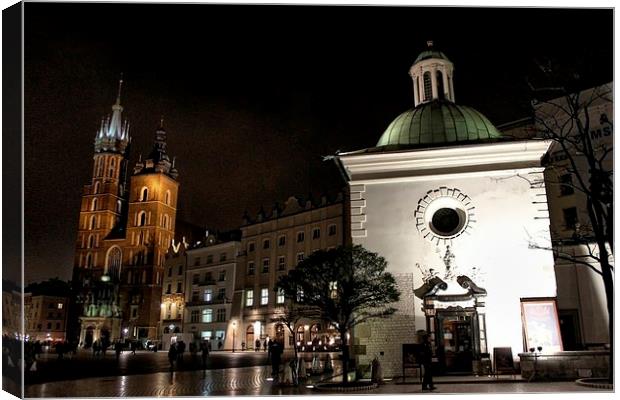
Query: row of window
179	273
49	326
266	262
144	195
207	295
94	202
197	260
301	237
179	288
206	315
264	297
209	277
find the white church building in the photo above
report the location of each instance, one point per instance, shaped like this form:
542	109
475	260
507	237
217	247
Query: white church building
454	208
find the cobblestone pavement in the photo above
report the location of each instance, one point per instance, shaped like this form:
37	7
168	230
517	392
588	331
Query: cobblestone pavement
255	381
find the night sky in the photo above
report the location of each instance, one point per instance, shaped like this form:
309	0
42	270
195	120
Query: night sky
253	96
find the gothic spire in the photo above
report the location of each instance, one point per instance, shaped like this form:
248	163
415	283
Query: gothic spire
113	129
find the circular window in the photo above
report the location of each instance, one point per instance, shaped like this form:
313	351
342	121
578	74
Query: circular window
445	221
444	214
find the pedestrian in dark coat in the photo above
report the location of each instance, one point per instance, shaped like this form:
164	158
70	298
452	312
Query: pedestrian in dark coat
426	359
205	354
118	348
276	354
172	355
257	345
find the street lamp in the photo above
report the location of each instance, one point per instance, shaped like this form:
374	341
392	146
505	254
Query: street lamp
234	324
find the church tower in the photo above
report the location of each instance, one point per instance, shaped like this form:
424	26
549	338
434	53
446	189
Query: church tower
104	198
150	229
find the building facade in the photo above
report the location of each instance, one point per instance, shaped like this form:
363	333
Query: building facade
270	246
441	198
173	293
46	317
126	225
210	283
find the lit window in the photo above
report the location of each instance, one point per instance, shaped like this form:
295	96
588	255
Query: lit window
282	240
333	289
119	205
93	205
280	297
165	221
300	237
266	244
249	298
281	263
265	265
167	197
208	295
60	306
207	315
332	230
92	222
91	241
144	194
220	334
206	335
316	233
96	189
251	268
264	296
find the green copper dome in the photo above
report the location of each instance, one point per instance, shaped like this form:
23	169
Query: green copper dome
438	122
430	54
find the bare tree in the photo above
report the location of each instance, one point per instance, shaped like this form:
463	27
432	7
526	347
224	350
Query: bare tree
582	164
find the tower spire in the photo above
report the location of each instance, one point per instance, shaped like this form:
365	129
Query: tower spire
120	87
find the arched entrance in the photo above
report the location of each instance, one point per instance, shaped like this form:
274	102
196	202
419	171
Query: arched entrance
249	337
299	337
280	334
88	337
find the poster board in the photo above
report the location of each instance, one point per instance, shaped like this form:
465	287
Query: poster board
502	360
541	326
411	353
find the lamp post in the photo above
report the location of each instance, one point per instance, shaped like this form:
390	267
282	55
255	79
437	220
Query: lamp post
234	324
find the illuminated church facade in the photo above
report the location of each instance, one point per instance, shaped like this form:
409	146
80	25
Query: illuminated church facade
126	223
453	207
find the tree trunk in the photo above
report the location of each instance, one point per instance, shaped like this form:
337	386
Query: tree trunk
608	281
345	357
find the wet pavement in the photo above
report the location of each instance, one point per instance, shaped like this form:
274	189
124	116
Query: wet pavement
257	381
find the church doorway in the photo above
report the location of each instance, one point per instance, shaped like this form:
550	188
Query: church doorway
457	339
249	337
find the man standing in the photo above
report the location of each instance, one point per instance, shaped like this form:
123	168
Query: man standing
276	351
426	359
204	347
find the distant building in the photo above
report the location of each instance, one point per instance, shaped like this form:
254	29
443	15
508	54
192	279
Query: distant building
46	317
12	314
212	265
173	293
126	224
271	245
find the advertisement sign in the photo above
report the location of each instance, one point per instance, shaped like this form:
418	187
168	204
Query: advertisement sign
541	324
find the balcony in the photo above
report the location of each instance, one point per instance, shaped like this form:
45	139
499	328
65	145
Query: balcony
207	303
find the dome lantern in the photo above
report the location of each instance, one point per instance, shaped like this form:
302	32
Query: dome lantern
431	74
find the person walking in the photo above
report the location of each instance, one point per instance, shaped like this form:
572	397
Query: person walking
172	355
276	353
257	345
265	345
205	354
426	359
118	348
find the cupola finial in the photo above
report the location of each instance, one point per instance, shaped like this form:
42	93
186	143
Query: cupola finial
429	43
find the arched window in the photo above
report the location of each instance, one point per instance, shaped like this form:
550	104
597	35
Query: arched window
167	197
93	205
89	260
113	262
91	241
440	89
165	223
111	169
96	189
99	166
92	223
141	218
119	206
144	194
428	86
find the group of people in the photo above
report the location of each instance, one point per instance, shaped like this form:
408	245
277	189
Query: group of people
175	353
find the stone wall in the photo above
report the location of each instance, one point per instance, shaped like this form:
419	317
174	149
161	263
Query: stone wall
565	365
